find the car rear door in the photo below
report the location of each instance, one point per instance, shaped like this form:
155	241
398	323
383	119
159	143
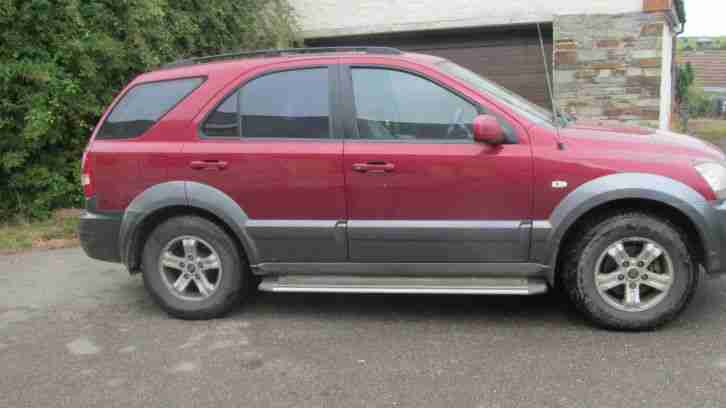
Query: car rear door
273	145
419	188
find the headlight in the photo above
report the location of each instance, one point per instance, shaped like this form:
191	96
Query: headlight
715	176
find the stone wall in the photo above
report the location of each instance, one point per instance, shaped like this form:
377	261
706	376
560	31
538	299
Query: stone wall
609	67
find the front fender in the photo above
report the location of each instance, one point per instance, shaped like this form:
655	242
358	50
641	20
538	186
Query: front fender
548	235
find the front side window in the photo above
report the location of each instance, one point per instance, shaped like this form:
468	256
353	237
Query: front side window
395	105
516	102
289	104
143	106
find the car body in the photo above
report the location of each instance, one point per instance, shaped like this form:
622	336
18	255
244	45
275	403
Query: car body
359	170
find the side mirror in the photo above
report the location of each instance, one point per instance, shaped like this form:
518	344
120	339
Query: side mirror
488	130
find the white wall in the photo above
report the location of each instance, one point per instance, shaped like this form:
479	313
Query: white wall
666	79
329	18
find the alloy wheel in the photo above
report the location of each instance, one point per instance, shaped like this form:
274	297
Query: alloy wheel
634	274
190	268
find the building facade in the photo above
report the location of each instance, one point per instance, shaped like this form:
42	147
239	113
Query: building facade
709	66
609	59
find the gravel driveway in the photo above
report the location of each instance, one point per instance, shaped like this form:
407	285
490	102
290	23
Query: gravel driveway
75	332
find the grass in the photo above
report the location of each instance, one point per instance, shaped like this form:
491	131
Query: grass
713	130
60	231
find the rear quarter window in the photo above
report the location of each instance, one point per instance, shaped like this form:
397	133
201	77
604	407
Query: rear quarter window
143	105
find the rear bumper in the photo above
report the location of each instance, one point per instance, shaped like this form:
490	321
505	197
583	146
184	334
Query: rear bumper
99	235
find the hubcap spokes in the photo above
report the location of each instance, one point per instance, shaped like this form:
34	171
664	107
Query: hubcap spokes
190	268
634	274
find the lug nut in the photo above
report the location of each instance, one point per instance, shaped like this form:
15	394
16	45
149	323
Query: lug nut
641	264
633	285
626	264
621	277
645	276
182	264
190	257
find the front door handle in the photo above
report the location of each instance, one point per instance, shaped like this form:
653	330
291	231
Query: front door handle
374	167
208	165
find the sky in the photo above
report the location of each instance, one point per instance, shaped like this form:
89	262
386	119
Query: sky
705	18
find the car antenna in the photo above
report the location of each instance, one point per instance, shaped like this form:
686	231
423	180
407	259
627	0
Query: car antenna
555	111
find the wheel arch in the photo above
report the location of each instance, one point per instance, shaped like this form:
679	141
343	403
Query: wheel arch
657	195
164	201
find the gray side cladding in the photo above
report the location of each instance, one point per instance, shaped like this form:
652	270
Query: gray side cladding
438	241
614	187
271	241
179	193
263	240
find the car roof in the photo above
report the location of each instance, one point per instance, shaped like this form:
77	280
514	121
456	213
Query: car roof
237	65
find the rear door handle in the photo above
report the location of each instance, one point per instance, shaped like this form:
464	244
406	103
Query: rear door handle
374	167
208	165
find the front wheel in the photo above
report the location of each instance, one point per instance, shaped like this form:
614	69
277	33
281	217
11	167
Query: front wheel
193	270
630	272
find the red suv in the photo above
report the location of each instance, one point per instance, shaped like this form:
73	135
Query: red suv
370	170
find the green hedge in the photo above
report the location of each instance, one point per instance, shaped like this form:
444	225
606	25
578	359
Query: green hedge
63	61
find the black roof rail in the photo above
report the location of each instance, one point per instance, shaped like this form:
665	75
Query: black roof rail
278	53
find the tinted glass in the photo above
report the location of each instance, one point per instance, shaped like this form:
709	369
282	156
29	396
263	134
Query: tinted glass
398	105
518	103
223	121
143	105
287	104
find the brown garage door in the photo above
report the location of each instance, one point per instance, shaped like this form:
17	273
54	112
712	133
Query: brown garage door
508	56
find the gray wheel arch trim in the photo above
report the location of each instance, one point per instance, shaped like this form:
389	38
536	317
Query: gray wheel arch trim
626	186
185	194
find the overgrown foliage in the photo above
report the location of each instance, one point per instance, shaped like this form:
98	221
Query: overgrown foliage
684	79
698	44
62	62
681	10
700	104
692	99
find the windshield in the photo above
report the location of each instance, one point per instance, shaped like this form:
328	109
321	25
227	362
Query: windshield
516	102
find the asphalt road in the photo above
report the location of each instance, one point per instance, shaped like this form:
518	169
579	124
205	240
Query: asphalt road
80	333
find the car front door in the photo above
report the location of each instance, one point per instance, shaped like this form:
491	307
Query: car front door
419	188
271	144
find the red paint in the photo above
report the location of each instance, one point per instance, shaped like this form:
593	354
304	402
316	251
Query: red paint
440	181
591	153
336	179
273	179
486	129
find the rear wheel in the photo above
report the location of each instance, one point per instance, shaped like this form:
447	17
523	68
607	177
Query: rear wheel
630	272
193	270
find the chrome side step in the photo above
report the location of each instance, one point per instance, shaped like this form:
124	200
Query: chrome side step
397	285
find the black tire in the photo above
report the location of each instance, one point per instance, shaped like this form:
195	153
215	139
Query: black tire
579	265
233	286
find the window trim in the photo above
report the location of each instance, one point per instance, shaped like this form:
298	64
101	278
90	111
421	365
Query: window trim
200	128
161	117
352	131
332	98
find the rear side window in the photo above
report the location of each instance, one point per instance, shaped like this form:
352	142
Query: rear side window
289	104
143	106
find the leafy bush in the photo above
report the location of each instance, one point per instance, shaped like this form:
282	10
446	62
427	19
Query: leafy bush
62	62
685	76
700	105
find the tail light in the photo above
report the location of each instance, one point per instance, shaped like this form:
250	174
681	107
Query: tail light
87	175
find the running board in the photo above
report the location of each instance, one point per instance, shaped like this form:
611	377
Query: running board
396	285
